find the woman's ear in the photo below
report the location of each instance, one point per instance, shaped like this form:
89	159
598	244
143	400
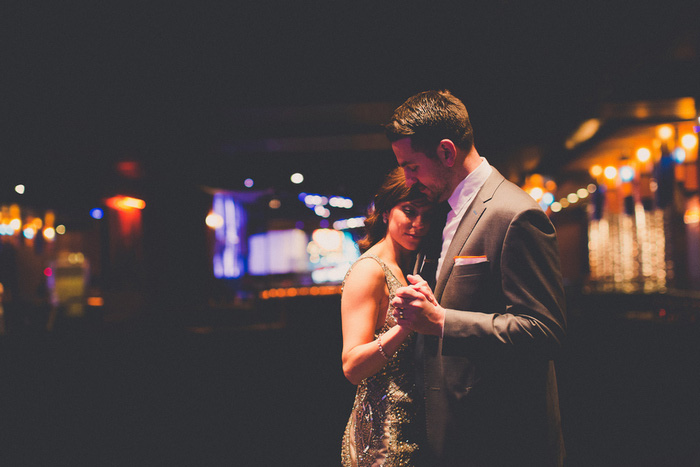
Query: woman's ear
447	152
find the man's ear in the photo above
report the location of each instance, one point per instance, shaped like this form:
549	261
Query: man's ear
447	152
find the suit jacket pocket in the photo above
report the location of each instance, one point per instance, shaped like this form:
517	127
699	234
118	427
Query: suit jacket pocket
467	287
469	269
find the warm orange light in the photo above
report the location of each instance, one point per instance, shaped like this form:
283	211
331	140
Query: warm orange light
214	220
49	218
536	180
95	301
596	171
292	292
665	131
692	216
125	203
49	234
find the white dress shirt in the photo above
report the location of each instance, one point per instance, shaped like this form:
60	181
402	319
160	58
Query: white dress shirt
460	199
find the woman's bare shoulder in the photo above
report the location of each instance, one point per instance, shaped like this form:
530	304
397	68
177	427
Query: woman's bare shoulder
366	274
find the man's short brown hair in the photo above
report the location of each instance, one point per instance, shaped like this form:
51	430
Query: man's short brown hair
429	117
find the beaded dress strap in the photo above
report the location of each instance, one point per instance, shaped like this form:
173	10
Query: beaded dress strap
387	272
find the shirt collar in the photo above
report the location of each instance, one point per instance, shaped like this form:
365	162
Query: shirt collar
469	186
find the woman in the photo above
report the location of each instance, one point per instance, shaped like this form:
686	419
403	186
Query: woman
377	352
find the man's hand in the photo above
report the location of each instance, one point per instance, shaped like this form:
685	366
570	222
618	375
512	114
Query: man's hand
417	309
416	282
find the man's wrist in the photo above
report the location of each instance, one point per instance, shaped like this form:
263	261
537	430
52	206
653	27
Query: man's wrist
441	323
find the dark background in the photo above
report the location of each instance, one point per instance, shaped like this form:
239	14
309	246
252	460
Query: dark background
87	84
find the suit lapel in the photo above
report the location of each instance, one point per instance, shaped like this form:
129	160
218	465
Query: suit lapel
469	220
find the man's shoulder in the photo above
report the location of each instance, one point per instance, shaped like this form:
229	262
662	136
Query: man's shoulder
511	195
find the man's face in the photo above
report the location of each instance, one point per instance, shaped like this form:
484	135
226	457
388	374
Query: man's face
429	173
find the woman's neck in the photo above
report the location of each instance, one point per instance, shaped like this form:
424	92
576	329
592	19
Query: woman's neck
390	251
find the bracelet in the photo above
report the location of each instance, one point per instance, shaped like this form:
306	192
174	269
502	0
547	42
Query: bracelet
381	349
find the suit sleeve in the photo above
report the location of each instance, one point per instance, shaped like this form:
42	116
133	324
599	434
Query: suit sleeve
530	317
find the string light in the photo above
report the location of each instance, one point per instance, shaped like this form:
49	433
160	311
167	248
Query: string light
596	171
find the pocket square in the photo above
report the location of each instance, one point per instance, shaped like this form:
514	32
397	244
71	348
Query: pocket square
463	260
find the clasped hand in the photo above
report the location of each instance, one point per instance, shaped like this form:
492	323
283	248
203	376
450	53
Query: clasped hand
416	308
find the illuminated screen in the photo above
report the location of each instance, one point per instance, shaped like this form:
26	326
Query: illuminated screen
327	255
278	252
228	261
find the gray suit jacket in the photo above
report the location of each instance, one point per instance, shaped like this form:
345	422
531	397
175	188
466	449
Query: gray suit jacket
489	384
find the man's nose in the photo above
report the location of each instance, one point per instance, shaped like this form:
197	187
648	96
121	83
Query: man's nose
410	181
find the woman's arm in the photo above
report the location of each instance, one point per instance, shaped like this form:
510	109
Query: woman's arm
364	300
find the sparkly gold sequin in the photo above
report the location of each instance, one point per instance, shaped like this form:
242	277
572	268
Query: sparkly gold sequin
379	430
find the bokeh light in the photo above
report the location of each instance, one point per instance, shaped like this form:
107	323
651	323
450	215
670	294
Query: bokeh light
643	154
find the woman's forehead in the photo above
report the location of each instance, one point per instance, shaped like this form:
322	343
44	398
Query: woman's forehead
419	203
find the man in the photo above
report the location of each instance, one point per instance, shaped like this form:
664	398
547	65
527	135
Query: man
488	334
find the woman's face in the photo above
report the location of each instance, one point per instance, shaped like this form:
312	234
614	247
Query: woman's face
407	224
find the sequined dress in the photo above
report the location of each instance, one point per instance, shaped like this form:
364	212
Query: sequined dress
380	431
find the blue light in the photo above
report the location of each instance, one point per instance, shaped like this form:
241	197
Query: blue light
679	155
547	198
228	255
96	213
626	173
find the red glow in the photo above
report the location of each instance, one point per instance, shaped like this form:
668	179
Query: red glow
662	313
130	169
48	272
125	203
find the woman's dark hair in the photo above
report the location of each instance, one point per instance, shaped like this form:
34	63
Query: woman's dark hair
429	117
392	192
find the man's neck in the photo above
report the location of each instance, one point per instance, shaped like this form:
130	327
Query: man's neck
470	162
